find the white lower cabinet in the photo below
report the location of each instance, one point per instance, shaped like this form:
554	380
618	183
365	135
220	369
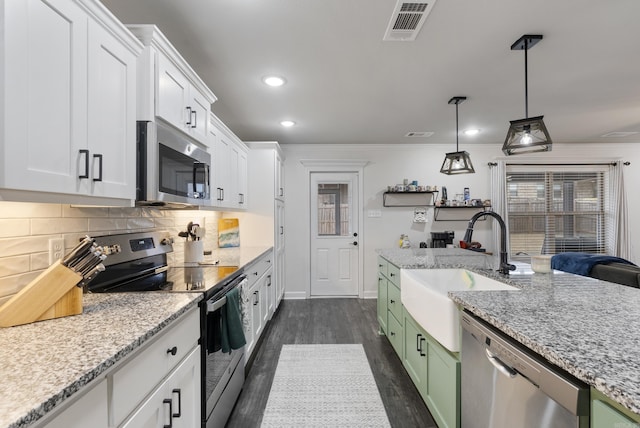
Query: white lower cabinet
149	371
90	410
259	300
176	402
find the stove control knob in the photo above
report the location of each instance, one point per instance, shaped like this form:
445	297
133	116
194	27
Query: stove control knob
166	241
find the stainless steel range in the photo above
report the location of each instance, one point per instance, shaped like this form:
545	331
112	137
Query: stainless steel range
142	266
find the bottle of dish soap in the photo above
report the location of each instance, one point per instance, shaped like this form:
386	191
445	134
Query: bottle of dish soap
401	241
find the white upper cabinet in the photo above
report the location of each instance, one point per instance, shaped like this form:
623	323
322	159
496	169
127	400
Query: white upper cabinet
68	111
169	88
112	115
230	167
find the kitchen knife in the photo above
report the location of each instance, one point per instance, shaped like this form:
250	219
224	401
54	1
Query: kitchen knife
77	250
92	274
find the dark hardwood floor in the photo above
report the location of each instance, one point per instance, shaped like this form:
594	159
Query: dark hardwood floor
331	321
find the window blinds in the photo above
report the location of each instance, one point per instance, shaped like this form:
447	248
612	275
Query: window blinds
556	208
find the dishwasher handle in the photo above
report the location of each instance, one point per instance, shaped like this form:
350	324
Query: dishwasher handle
500	365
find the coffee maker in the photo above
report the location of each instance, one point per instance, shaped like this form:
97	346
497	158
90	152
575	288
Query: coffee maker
441	239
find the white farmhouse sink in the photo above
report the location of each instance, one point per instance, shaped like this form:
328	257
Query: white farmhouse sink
424	296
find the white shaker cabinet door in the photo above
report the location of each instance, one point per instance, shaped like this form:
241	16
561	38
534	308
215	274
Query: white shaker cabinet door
112	115
89	411
243	179
173	94
45	102
199	108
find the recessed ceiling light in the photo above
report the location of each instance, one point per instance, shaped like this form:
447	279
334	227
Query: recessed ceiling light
274	81
471	132
287	123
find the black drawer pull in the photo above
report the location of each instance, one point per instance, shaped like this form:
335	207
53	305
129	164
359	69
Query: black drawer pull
170	403
177	391
172	351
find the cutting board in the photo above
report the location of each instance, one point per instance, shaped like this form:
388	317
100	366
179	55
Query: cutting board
228	232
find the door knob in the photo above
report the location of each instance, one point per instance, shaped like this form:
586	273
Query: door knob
355	234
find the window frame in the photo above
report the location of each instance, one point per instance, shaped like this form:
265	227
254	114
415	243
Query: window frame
551	214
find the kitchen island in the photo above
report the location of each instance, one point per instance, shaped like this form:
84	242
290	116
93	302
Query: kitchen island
589	328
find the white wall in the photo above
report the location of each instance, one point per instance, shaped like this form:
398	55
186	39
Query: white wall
388	165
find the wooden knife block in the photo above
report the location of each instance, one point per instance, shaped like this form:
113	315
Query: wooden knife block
53	294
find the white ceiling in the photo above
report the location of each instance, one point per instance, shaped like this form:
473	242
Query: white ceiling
347	85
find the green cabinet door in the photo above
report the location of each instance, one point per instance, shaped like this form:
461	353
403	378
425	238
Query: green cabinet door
382	303
415	353
443	386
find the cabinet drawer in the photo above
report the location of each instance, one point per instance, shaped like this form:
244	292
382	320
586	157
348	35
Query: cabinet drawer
394	274
394	304
383	266
258	268
133	381
181	391
395	334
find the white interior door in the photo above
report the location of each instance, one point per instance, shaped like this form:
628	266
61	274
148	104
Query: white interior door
334	234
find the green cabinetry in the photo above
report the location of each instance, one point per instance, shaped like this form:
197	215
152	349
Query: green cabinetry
435	372
389	303
443	385
606	413
382	303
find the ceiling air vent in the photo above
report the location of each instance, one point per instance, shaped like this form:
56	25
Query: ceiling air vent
406	21
418	134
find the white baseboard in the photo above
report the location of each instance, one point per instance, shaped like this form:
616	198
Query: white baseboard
371	294
295	295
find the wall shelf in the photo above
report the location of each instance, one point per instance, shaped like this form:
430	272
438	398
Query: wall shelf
409	199
463	213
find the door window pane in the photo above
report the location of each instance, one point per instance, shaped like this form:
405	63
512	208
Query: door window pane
334	216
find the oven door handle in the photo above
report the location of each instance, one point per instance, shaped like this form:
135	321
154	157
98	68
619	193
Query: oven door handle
214	306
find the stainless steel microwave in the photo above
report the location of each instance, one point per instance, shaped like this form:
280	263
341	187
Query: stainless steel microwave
172	170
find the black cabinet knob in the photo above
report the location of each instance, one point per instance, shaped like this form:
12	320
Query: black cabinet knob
172	351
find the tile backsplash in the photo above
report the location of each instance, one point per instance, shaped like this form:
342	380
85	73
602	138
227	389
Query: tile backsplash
25	230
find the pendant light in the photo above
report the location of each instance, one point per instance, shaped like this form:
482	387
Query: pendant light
528	135
457	162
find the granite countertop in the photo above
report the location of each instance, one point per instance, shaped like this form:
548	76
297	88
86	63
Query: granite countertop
588	327
44	363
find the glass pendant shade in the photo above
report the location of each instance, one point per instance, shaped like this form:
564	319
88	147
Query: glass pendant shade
527	136
457	163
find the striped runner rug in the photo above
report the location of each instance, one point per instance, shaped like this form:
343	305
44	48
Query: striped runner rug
324	386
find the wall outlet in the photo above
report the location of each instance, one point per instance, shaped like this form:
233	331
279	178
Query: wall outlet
374	213
56	249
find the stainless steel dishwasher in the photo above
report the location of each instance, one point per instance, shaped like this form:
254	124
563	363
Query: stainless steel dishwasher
506	385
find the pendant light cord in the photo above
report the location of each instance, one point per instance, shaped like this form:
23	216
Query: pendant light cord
526	79
457	150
